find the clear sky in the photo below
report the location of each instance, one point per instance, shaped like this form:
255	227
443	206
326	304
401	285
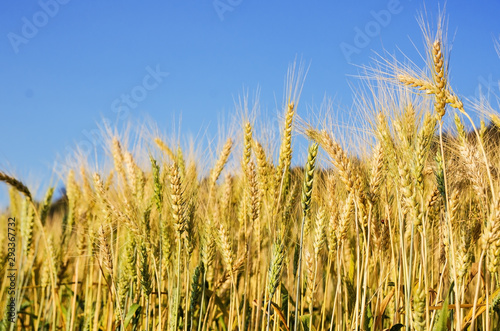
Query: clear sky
66	64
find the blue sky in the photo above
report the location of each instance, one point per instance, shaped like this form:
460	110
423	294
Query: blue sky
65	64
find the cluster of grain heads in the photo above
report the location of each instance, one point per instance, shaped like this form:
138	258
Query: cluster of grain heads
405	234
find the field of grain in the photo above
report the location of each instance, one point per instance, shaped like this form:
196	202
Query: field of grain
405	235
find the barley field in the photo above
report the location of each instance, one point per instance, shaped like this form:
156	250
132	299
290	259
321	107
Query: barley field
399	233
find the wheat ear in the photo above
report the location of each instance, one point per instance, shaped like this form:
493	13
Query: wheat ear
18	185
306	205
